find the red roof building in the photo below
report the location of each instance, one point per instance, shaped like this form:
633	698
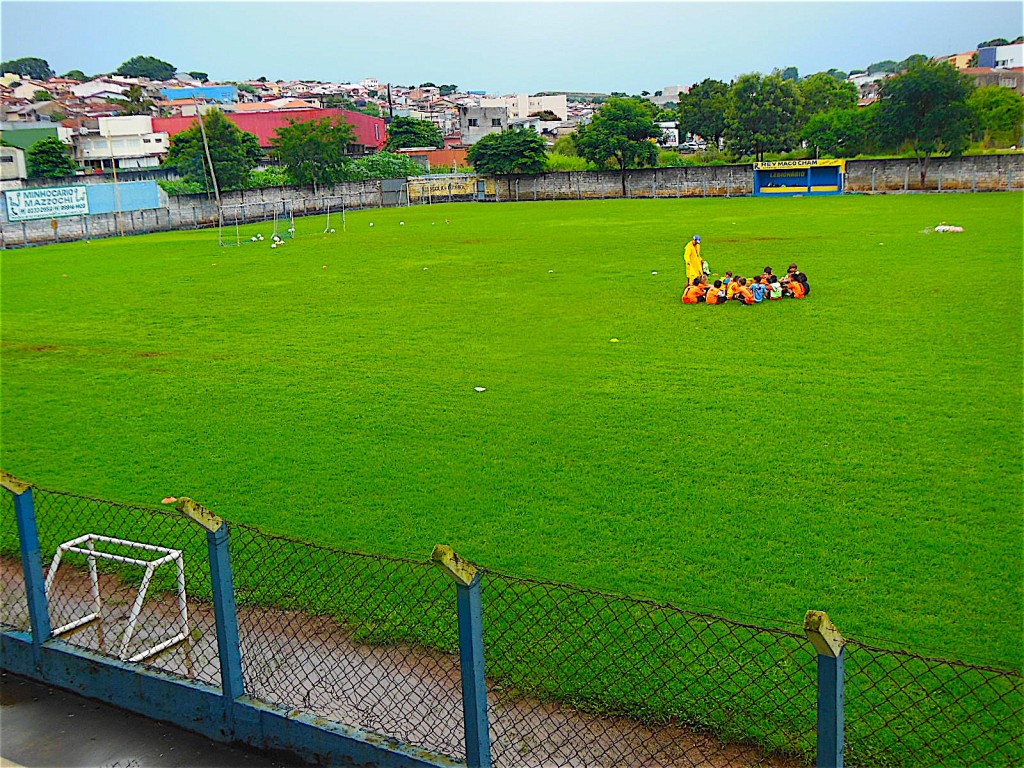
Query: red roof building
371	132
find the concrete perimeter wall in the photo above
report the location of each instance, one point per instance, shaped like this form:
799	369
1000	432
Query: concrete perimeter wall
981	173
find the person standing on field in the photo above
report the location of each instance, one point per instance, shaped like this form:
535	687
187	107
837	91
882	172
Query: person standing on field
693	260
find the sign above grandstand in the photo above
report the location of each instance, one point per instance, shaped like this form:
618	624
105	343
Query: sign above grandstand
46	203
777	164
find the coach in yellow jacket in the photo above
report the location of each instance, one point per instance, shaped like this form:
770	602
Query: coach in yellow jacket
692	259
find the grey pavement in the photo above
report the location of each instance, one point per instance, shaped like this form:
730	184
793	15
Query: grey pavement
46	727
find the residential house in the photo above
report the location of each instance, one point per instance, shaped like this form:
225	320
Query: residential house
127	141
431	157
670	94
524	105
444	113
669	134
1002	56
958	60
1006	78
477	122
32	112
24	134
27	89
12	164
104	87
547	129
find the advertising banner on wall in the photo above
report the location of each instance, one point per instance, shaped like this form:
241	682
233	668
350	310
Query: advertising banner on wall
46	203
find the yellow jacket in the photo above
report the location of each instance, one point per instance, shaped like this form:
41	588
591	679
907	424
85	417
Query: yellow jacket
693	260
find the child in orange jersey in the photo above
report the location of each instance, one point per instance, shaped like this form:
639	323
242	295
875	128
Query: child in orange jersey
794	288
744	294
715	294
693	294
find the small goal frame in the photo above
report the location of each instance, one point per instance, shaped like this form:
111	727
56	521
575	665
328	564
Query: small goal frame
86	545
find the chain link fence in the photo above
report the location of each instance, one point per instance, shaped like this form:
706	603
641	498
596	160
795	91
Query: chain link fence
13	604
910	710
575	677
366	641
583	678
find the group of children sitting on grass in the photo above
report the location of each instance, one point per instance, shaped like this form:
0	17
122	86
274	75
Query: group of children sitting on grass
753	291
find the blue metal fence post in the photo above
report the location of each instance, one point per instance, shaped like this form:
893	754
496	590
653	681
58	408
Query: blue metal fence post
31	563
225	610
828	642
471	655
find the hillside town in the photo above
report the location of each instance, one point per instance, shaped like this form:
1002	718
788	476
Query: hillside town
116	122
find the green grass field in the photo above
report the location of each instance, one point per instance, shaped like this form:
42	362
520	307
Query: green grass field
858	452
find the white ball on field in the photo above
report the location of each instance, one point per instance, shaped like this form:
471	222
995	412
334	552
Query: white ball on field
332	231
401	223
371	223
274	245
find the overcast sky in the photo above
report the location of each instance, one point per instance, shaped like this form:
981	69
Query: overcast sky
498	47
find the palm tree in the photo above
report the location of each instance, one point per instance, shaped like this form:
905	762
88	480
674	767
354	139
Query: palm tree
135	102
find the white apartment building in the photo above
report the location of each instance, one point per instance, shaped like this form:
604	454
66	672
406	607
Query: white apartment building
524	105
1002	56
670	94
128	140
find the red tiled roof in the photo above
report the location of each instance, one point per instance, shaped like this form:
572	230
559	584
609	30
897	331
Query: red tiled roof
370	131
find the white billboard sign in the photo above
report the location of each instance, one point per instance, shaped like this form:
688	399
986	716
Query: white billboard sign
46	203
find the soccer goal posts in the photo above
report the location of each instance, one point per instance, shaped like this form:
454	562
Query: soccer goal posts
239	224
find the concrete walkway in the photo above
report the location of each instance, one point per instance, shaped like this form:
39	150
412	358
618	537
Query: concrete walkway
46	727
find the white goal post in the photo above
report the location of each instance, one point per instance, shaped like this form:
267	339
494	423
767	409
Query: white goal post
86	545
232	218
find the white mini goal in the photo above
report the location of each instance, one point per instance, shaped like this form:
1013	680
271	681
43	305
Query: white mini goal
86	545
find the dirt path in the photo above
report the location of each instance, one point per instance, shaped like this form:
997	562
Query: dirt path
411	694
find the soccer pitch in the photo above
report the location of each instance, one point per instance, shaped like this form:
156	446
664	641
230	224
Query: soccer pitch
857	452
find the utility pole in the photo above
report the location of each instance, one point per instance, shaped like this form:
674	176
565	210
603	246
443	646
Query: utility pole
206	147
117	189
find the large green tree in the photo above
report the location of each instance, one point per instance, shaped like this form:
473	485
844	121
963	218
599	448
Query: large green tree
763	115
316	151
30	67
926	109
76	74
999	114
702	111
788	73
49	158
622	131
234	152
519	150
146	66
822	92
135	102
409	132
383	165
888	65
840	132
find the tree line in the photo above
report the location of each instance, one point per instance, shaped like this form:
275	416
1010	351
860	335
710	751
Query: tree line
928	108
